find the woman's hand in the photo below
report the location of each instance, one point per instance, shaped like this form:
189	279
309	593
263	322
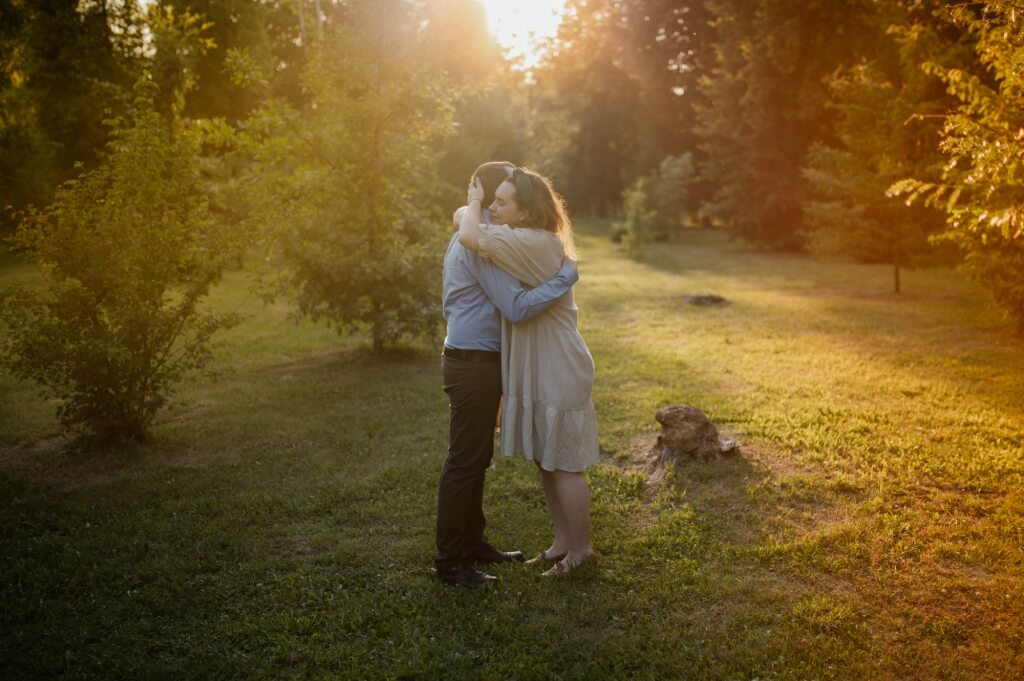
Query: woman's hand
475	193
469	221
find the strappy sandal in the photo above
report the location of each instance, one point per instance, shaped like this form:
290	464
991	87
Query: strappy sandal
560	569
543	556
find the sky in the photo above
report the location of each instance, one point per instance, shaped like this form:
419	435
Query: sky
521	27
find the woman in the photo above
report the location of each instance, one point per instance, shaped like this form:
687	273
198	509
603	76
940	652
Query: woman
547	371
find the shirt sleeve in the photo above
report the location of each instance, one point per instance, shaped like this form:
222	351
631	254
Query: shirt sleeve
516	303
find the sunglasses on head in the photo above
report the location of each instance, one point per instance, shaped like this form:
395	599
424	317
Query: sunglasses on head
524	187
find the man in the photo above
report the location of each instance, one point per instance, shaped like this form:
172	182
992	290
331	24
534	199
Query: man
476	295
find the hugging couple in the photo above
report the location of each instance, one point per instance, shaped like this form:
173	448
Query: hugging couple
508	303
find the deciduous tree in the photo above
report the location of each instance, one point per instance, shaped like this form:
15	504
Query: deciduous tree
345	191
982	184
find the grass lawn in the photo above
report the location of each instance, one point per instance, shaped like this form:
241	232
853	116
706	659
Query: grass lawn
280	524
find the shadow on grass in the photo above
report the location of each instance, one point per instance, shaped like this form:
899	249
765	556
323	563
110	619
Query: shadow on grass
347	400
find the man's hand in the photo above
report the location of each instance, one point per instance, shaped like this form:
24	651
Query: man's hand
457	217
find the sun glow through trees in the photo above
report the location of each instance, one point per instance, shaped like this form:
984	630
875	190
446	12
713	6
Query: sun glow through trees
521	28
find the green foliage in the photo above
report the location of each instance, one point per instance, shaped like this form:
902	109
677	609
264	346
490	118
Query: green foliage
674	194
587	122
269	36
658	205
489	99
766	105
180	40
982	185
128	251
28	163
344	192
616	94
65	65
886	127
640	218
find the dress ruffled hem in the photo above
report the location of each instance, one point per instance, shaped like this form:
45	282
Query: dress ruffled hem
557	439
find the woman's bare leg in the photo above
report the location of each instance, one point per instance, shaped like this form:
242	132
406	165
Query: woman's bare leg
560	545
573	495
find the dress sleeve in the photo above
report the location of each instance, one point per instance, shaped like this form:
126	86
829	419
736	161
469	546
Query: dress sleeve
501	245
496	242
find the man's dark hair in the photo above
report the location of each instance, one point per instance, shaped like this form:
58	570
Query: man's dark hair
491	175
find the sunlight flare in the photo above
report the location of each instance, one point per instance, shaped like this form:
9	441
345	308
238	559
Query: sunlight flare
522	28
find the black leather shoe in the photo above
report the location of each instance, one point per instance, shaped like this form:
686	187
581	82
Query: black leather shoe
466	577
491	555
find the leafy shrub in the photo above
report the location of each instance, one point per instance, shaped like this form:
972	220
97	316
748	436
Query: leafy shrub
640	218
127	251
658	205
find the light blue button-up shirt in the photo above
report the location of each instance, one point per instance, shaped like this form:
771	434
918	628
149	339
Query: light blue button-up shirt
477	294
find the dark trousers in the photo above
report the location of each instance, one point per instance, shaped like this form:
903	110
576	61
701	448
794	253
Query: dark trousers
474	390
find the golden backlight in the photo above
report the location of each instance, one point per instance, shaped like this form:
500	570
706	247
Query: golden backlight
521	27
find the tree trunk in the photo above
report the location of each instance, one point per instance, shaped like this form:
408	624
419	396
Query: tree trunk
319	22
896	261
372	196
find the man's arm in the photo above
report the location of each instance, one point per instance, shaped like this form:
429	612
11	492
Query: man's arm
508	295
469	221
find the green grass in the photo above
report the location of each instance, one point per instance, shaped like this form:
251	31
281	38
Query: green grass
281	522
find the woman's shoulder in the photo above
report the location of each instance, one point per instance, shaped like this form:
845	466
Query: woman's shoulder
524	235
535	234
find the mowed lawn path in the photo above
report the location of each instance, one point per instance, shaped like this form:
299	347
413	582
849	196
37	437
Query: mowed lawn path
280	523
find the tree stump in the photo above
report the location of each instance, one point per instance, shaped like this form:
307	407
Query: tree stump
688	435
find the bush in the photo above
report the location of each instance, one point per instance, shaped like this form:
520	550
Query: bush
640	218
658	205
127	252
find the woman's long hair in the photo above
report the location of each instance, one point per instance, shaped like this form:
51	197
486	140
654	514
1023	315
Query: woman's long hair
544	206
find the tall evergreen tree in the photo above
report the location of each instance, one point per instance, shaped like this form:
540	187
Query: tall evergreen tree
886	128
766	105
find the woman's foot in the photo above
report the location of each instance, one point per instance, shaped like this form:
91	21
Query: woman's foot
568	565
546	555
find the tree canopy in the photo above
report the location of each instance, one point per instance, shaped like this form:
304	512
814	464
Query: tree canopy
880	130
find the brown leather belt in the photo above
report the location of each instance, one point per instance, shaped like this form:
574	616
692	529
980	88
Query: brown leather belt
472	355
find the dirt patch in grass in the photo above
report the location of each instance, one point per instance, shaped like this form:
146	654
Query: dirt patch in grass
296	546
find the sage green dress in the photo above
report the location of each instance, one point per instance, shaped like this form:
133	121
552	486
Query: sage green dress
547	372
